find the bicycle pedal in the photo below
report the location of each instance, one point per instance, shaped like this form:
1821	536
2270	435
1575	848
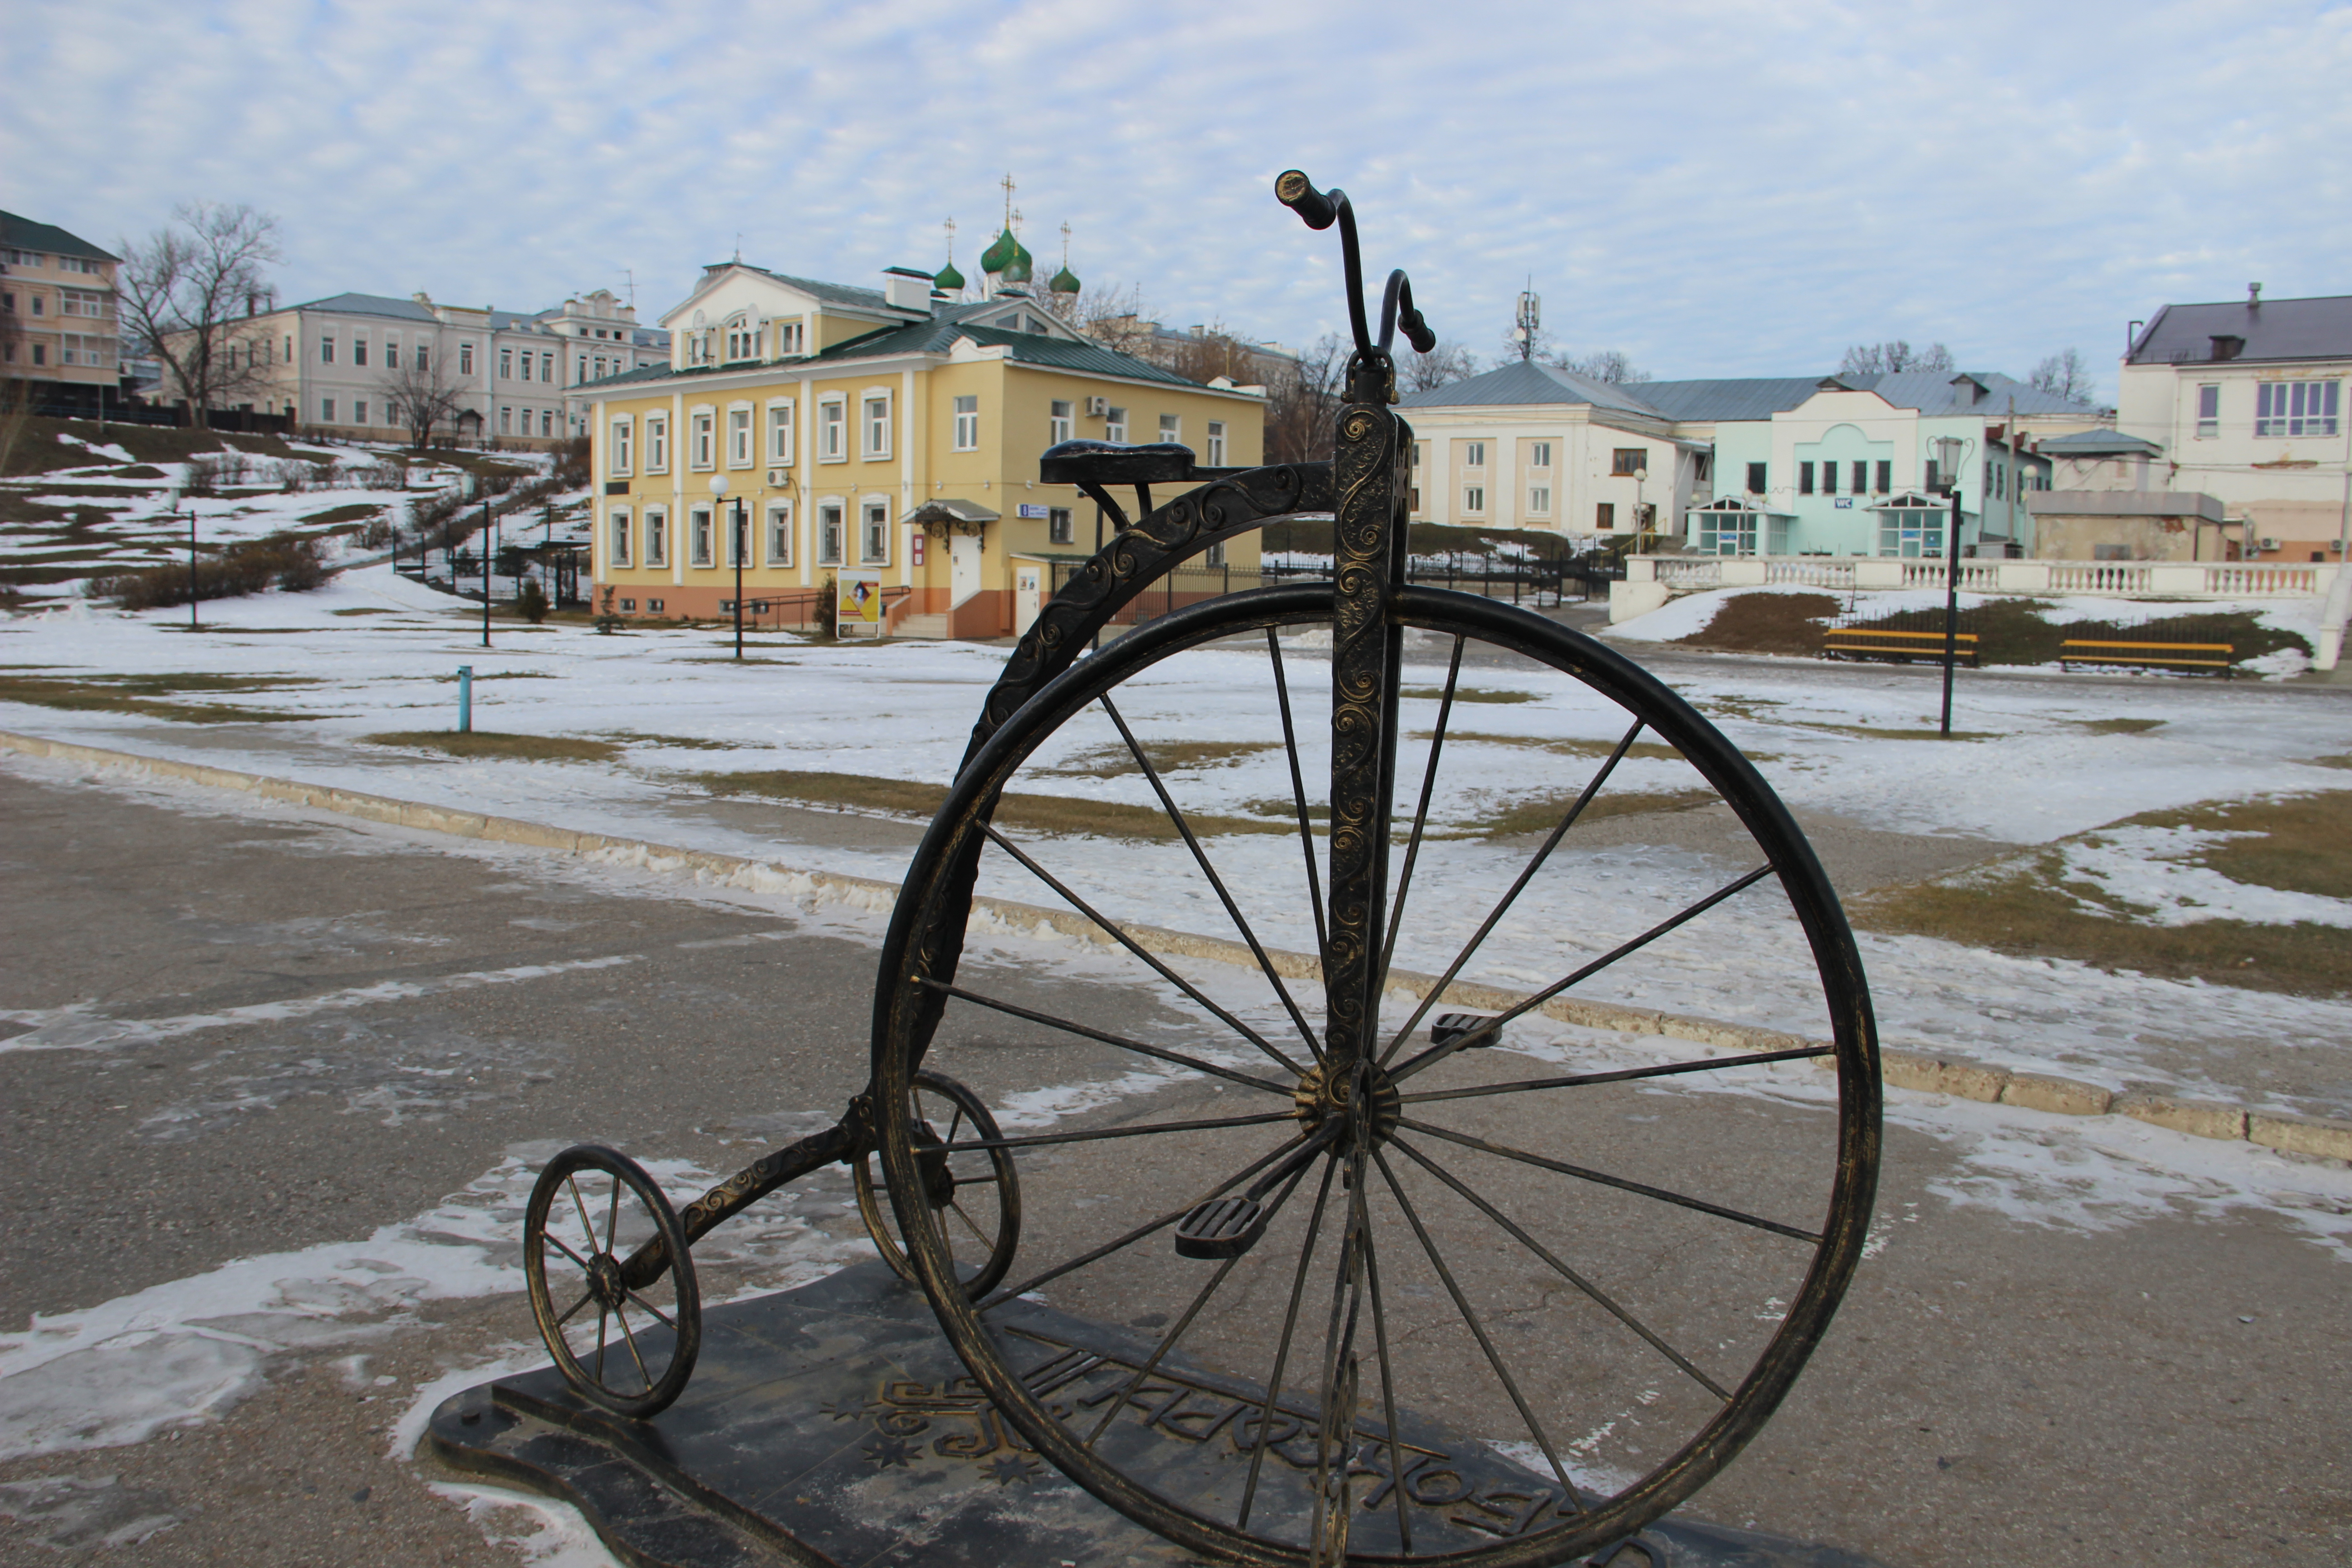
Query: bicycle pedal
1448	1028
1221	1228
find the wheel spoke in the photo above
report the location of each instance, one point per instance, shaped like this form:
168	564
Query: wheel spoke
581	1204
585	1297
1511	897
1121	1041
556	1242
1492	1027
1038	1139
1603	1179
1200	858
1622	1075
970	1224
1005	1293
612	1218
603	1316
1298	797
659	1316
1420	816
1477	1329
1167	1341
1340	1363
1599	1295
630	1335
1282	1349
1388	1389
1118	935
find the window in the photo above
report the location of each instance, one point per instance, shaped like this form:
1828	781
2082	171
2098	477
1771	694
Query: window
1911	531
547	421
1885	477
1538	454
580	370
1829	478
505	364
790	336
1626	462
1539	501
1058	528
1725	533
1805	478
779	432
2296	408
878	427
359	349
1115	426
1756	475
1474	454
832	431
1213	557
8	302
1217	442
326	340
1057	424
417	355
1605	516
828	534
41	356
736	524
779	534
359	411
653	607
656	539
1473	498
701	428
326	406
967	423
619	553
41	305
874	539
390	352
1861	477
698	535
465	359
2209	411
623	428
1171	429
506	420
738	437
629	604
657	443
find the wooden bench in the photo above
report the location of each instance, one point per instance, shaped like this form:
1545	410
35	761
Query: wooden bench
2215	657
1873	642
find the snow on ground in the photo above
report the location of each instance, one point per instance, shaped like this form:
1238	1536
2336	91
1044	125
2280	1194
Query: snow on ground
1857	745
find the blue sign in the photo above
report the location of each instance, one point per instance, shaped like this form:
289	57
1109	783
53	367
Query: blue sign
1029	510
1845	503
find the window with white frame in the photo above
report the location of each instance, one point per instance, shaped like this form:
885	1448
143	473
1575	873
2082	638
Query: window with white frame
1171	429
967	423
2296	407
779	432
547	368
1726	530
618	533
657	443
1539	501
2209	411
701	429
877	426
1474	454
698	537
1217	442
547	421
832	431
738	437
1912	531
828	534
1115	426
623	432
1473	498
657	538
358	348
1213	557
505	364
326	348
392	350
465	359
873	535
506	420
735	525
417	357
326	406
1059	529
359	411
779	534
791	338
1538	454
1057	422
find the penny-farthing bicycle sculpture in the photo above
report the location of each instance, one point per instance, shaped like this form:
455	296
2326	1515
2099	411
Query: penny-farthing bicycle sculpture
1328	1214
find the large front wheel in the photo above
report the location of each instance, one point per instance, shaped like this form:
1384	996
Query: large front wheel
1507	1288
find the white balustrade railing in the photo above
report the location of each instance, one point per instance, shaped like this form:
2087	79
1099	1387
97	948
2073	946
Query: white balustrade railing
2094	579
1811	572
2097	577
1685	572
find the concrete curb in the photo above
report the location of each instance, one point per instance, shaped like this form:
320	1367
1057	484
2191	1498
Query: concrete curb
1961	1080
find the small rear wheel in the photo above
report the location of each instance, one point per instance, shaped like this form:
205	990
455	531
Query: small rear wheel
612	1283
968	1182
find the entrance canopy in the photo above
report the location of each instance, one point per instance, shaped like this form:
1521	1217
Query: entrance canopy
1735	527
951	515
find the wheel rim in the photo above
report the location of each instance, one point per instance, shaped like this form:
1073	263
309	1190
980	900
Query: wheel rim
1413	1170
978	1202
623	1323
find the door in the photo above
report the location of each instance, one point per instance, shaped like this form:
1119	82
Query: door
1026	594
963	568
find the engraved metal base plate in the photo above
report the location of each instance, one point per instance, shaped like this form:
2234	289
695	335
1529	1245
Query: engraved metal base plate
831	1424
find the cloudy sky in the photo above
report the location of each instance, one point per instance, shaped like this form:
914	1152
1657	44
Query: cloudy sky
1717	188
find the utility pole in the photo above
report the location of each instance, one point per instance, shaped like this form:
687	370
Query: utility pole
485	574
192	566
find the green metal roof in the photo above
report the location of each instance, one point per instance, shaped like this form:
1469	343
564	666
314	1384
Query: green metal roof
24	234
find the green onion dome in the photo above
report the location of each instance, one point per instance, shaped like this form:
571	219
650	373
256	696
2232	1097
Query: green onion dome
949	281
1021	267
1064	281
1000	255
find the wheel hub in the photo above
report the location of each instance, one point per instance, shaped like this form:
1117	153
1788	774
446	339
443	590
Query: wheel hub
604	1281
1322	1094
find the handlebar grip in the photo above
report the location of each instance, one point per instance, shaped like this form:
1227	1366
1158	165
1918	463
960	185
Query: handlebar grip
1417	333
1297	193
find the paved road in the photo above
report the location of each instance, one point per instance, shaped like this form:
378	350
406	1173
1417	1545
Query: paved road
290	1036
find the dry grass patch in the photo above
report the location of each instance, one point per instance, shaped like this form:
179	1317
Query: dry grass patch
2297	844
1168	757
2120	726
1467	694
494	743
150	695
1543	813
1649	750
690	743
362	610
1029	812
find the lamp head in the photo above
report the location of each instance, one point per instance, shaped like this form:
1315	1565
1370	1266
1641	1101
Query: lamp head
1642	473
719	486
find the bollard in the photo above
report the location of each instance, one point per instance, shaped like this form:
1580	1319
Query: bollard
464	699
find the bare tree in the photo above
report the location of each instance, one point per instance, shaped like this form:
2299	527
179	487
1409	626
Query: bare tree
1542	350
1301	401
419	392
1612	366
2063	375
1443	365
1893	357
183	292
1114	318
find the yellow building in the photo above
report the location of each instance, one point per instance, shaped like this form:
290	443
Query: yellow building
888	436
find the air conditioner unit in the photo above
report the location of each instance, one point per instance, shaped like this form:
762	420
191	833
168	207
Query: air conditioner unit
775	475
1097	407
2268	544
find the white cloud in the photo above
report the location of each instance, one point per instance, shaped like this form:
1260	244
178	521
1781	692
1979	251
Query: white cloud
1719	188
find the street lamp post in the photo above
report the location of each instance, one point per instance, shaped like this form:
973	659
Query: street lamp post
485	574
1949	452
192	565
719	488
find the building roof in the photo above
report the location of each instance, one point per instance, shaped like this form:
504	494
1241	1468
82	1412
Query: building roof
2273	330
1751	397
2101	443
1523	384
1931	392
24	234
370	305
1936	391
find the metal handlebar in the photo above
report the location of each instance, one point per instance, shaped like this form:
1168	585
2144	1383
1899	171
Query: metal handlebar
1318	210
